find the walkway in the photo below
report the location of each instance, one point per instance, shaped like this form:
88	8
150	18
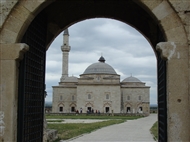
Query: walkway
130	131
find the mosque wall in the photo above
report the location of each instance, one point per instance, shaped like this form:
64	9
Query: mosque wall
135	98
97	78
99	97
63	97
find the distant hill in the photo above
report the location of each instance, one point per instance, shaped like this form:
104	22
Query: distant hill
153	105
48	104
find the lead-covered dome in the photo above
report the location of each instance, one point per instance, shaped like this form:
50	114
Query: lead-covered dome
131	79
99	68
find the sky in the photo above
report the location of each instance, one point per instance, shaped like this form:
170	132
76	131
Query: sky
122	46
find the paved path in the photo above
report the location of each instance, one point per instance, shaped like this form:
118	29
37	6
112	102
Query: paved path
130	131
76	120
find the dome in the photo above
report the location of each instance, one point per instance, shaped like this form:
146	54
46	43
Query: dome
99	68
71	79
131	79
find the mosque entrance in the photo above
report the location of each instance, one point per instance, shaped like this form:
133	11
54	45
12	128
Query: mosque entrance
128	109
60	109
46	26
72	109
89	109
107	109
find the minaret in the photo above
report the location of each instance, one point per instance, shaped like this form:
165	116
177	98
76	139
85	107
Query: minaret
65	49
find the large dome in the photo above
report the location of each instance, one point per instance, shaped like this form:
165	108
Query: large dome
99	68
131	79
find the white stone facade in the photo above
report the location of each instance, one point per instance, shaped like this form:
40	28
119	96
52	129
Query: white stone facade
101	92
98	90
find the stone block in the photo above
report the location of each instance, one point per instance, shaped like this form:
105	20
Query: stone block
171	21
13	51
32	5
20	13
180	37
8	36
180	5
177	99
162	10
13	24
151	4
5	9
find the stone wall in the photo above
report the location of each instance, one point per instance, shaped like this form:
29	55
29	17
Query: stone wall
172	15
63	97
134	102
98	99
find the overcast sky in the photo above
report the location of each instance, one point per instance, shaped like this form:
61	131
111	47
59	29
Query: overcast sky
122	46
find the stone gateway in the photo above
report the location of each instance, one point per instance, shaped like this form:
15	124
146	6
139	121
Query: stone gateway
27	28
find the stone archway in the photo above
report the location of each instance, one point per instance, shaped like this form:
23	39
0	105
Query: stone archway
158	21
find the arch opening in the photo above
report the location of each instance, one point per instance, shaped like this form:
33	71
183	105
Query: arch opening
53	23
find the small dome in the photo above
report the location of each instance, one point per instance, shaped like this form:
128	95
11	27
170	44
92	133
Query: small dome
100	68
71	79
131	79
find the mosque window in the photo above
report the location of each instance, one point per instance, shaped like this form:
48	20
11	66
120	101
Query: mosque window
128	97
73	97
139	97
61	97
89	96
107	96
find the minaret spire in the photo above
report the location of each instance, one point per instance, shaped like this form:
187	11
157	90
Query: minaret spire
65	59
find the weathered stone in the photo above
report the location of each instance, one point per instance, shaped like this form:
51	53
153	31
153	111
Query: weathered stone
177	34
5	9
180	5
173	17
162	10
151	4
171	21
10	54
172	50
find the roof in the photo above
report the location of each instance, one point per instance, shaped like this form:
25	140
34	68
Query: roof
131	79
66	32
100	68
70	79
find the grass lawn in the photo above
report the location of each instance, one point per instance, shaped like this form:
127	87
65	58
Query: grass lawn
70	130
90	117
154	130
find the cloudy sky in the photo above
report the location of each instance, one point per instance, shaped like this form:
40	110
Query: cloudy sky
122	46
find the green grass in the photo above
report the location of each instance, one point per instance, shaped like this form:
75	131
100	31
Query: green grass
90	117
154	130
54	120
70	130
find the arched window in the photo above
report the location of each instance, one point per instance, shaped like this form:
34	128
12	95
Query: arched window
139	97
107	96
128	97
89	96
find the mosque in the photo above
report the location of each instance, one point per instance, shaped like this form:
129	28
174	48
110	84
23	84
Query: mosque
98	89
